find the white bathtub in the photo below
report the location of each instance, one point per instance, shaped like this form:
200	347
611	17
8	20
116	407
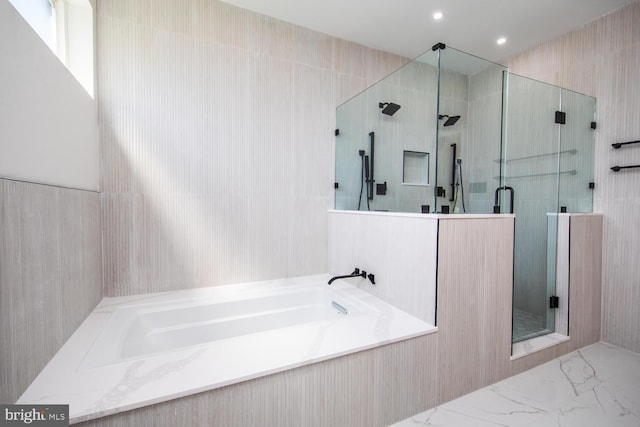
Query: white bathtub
135	351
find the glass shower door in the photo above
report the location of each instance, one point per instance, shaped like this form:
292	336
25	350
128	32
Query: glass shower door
577	143
530	176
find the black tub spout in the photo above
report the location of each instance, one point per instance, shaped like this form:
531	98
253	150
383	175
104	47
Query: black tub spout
356	273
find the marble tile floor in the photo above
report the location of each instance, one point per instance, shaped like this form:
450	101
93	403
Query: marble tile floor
597	386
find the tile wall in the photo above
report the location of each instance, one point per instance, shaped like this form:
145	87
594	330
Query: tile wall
217	132
50	275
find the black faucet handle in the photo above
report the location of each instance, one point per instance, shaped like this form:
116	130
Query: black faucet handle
356	271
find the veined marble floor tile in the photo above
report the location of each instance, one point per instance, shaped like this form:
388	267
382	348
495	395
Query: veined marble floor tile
599	407
441	416
545	387
598	385
611	361
496	406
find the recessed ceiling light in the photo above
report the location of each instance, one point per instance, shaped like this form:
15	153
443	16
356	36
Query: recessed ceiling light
438	15
501	40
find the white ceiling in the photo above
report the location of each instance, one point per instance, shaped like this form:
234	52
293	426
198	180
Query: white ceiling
407	28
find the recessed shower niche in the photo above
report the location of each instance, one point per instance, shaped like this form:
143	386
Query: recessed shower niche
466	136
415	168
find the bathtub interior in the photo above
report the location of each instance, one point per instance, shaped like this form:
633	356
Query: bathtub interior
141	330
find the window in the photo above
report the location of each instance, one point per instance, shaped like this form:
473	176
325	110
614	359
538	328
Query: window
40	15
66	26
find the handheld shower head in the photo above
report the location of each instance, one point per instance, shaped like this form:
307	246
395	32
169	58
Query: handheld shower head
388	108
366	168
456	180
451	120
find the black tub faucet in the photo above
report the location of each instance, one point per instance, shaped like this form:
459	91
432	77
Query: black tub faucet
356	273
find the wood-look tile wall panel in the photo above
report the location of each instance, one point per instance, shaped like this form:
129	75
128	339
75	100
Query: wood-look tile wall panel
370	388
474	301
475	270
602	59
216	130
50	275
585	279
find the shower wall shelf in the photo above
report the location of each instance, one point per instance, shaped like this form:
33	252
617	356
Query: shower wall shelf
571	172
573	151
619	168
621	144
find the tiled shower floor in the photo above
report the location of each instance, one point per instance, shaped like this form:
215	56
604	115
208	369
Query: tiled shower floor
526	324
596	386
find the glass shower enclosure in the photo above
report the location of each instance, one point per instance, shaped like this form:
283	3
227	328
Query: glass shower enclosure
451	133
436	152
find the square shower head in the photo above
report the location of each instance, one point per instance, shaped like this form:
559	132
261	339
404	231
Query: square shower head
451	121
388	108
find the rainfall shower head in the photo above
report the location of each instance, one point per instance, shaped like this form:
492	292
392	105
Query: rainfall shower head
388	108
451	120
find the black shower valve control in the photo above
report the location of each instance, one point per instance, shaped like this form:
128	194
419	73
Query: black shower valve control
381	189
